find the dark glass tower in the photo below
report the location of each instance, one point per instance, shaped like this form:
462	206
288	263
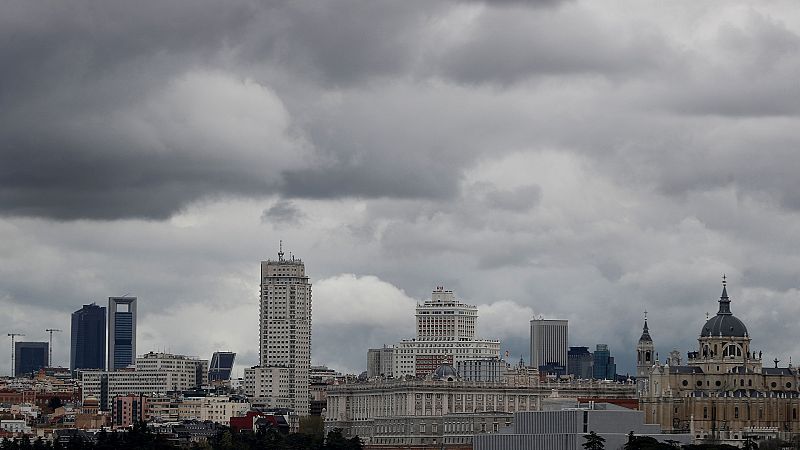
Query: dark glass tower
88	346
121	332
221	366
29	357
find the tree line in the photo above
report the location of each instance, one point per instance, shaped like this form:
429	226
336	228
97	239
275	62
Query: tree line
140	437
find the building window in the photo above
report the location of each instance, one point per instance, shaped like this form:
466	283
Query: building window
705	412
736	412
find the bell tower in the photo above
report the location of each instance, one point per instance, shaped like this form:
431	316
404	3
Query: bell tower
645	357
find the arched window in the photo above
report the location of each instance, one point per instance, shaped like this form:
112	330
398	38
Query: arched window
647	356
732	350
705	412
736	412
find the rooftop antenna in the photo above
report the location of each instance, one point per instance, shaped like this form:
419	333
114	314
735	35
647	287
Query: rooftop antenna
12	336
280	250
51	330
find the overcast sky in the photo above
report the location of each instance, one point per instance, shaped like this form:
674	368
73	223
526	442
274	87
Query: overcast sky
585	160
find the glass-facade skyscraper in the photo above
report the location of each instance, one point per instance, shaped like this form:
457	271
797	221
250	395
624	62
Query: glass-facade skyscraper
88	338
604	366
121	332
221	366
29	357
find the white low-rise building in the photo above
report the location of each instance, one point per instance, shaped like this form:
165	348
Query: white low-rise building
154	373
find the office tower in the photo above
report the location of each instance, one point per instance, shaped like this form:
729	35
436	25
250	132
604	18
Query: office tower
121	332
29	357
285	325
221	366
579	363
604	366
549	342
88	343
380	362
445	335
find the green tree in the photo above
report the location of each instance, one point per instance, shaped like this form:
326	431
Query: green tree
54	403
594	441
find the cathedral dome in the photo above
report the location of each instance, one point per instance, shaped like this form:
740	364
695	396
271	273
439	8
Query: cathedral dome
724	324
445	372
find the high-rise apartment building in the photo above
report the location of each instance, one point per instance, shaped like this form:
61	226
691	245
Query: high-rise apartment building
285	331
121	332
29	357
549	342
445	335
88	338
380	362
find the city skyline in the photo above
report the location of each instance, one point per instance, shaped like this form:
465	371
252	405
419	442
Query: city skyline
578	160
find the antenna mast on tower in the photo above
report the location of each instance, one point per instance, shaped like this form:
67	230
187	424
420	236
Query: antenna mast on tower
12	336
51	330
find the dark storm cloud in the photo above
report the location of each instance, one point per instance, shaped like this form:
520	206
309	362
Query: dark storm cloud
75	141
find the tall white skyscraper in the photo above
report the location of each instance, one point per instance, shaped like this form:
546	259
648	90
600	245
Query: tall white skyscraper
285	331
445	335
549	342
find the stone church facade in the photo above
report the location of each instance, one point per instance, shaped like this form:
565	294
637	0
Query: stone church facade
722	392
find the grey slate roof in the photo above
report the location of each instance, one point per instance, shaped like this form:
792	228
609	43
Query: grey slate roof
724	323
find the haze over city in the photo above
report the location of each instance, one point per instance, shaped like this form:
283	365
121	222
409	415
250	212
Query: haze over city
579	160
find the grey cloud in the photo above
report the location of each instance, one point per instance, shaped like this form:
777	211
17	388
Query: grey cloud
522	198
751	72
283	212
503	47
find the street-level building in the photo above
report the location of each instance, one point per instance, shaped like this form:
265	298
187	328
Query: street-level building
565	429
154	373
182	372
270	387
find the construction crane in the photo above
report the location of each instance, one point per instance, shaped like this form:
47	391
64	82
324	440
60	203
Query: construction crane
51	330
12	336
